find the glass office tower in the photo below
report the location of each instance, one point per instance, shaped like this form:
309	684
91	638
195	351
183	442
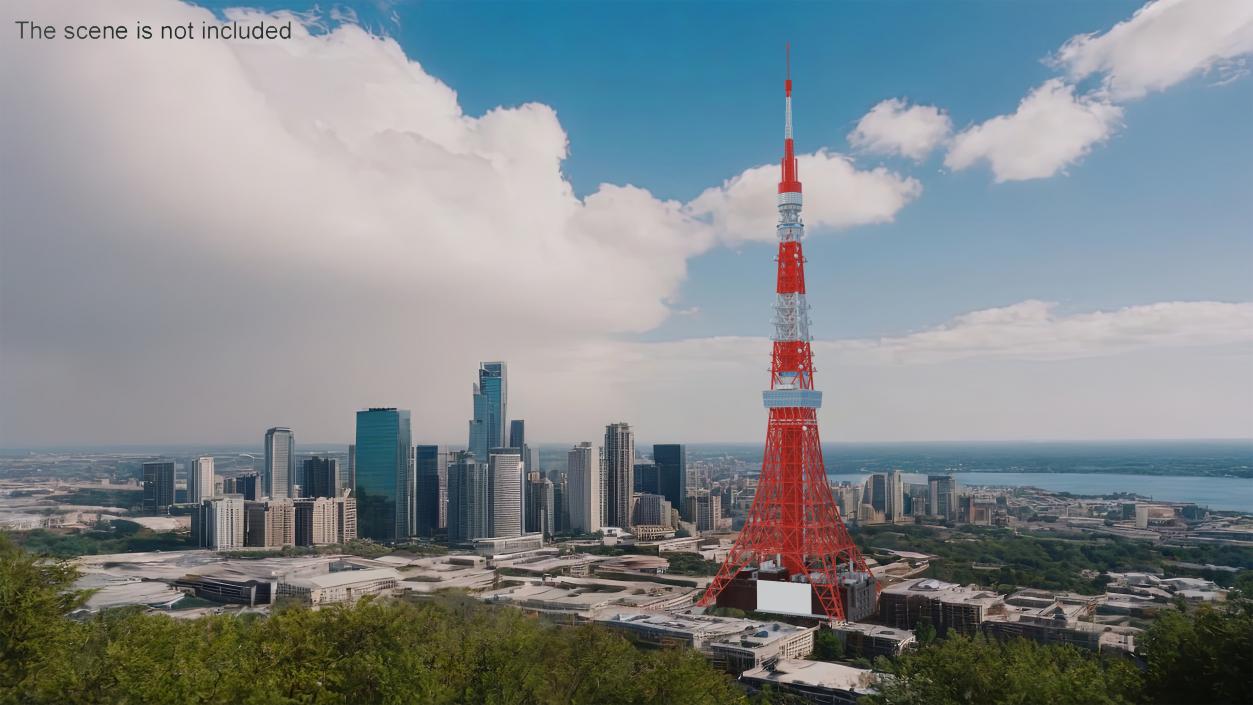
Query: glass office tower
491	400
384	474
430	464
672	479
280	462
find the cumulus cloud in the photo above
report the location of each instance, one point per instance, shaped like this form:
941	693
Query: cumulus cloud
1051	129
204	238
743	208
1163	43
895	127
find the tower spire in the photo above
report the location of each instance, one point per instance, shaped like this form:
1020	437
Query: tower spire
790	182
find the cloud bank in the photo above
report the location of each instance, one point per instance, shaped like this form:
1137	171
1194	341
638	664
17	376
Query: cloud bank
211	233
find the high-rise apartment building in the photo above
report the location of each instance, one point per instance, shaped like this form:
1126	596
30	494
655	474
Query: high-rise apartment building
247	485
943	496
431	469
651	510
200	480
491	401
346	517
894	501
218	523
708	510
280	462
384	474
561	505
584	490
320	477
468	498
350	476
505	489
672	473
270	523
541	509
619	453
158	485
317	521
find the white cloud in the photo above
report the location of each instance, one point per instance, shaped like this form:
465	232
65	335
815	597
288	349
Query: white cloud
205	238
1051	129
1167	370
1163	43
895	127
1034	330
743	208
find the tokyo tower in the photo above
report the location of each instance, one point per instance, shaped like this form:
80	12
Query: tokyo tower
794	551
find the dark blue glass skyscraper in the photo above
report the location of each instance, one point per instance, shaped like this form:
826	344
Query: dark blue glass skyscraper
430	464
384	474
671	461
491	400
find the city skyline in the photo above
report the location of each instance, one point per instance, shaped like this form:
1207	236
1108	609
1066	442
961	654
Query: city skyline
1024	239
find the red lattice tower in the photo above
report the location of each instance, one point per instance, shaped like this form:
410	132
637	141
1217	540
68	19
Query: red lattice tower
794	522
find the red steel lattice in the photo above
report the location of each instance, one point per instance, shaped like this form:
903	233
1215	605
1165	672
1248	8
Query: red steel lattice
794	521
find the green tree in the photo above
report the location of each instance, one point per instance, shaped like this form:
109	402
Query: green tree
1205	657
925	631
827	646
975	671
35	595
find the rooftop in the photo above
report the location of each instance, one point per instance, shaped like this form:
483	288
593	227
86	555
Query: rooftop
814	673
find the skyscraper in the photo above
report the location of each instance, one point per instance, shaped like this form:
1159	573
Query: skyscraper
561	505
943	496
619	473
346	516
320	477
468	498
672	473
879	492
646	480
896	497
200	480
504	476
583	488
430	464
651	510
158	485
316	521
384	470
517	433
280	462
350	479
491	400
541	514
270	523
218	523
246	485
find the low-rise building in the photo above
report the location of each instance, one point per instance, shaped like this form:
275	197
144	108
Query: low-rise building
871	640
818	682
946	605
345	586
733	645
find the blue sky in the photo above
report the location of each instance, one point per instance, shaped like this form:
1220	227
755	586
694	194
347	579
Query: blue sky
1042	231
676	97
